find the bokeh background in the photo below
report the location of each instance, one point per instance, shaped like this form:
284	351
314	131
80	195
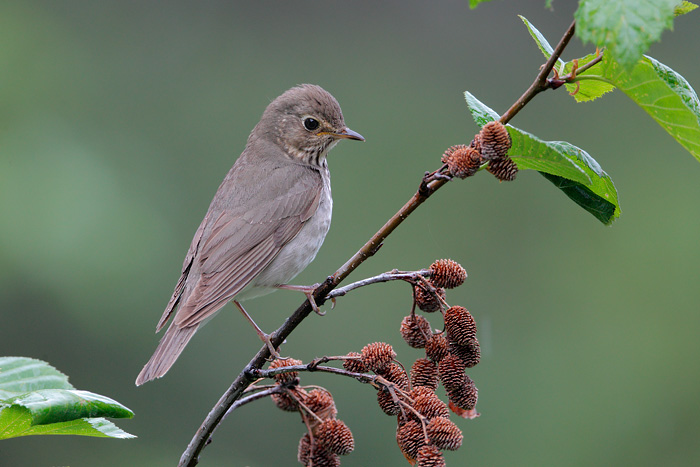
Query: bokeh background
118	120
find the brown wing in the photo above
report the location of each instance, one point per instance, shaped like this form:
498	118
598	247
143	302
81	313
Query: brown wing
240	243
186	266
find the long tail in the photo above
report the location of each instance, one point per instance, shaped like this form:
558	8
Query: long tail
169	348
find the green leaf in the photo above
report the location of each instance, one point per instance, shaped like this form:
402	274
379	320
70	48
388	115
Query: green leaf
16	421
585	89
21	374
35	399
588	85
541	41
626	28
474	3
570	168
663	94
683	8
603	210
59	405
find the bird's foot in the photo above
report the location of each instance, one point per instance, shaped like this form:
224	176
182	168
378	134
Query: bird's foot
273	352
307	290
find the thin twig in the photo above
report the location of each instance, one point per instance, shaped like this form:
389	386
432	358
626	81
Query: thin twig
411	276
253	397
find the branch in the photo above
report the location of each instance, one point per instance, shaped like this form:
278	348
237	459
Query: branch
431	182
410	276
540	84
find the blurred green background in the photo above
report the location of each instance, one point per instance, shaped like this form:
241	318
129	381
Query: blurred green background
118	121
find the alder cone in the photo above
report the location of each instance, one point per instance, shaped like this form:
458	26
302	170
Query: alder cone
430	456
409	437
321	402
447	273
424	372
495	141
444	434
459	325
421	391
304	449
334	435
451	372
466	396
470	353
396	374
289	402
427	301
462	161
387	403
503	169
430	406
285	378
415	330
437	347
355	365
377	355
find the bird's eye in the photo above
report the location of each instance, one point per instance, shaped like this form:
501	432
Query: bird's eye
311	123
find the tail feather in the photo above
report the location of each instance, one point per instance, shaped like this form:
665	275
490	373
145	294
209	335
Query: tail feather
169	348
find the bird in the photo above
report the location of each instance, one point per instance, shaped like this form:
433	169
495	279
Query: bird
265	223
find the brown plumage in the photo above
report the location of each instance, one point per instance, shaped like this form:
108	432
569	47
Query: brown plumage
266	222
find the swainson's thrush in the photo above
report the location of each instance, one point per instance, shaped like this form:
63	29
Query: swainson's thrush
266	222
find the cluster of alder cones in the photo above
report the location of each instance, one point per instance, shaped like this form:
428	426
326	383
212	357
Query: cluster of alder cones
490	145
327	437
424	429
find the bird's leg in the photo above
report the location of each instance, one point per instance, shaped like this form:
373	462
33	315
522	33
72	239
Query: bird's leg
263	337
307	290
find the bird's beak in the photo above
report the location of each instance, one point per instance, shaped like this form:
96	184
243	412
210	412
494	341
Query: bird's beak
347	133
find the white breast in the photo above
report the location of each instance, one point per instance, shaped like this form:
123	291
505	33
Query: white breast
299	252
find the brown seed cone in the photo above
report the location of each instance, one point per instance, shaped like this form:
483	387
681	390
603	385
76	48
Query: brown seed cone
447	273
466	396
476	142
396	374
285	378
427	301
355	365
287	400
421	391
470	353
322	458
387	403
321	402
377	355
424	373
459	325
304	449
444	434
334	435
410	438
462	161
437	347
503	169
451	372
495	141
430	456
430	406
415	330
